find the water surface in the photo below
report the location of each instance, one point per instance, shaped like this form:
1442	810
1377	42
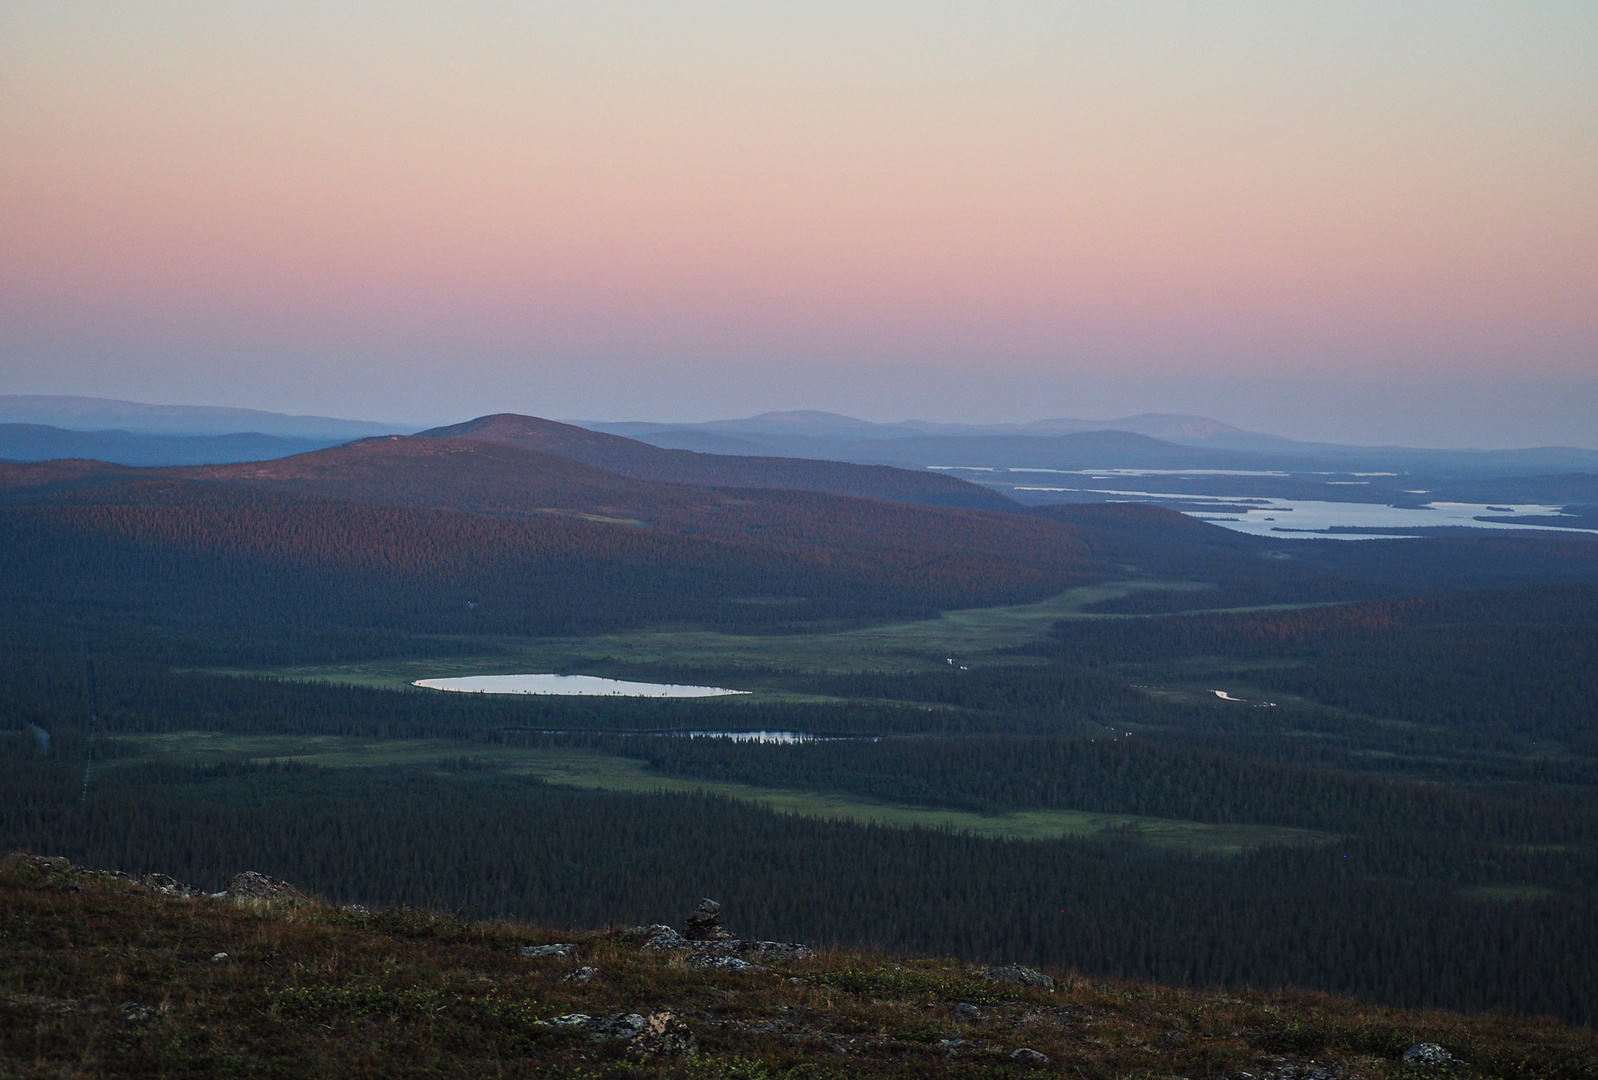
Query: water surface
570	686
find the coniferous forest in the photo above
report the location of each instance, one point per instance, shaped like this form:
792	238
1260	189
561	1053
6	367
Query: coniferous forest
1364	768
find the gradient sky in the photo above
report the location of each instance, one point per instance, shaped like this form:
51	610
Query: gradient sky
1376	221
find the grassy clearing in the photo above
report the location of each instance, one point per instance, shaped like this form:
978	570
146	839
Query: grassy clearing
967	636
603	772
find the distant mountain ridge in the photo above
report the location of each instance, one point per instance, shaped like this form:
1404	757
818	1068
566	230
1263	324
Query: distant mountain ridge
40	442
812	423
923	443
141	418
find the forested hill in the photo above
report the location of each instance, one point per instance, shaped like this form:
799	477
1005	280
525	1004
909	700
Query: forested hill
640	460
452	535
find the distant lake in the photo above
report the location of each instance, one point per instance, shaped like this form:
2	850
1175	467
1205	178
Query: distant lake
570	686
1306	519
1309	519
779	737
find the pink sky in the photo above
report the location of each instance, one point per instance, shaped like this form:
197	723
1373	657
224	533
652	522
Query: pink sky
420	210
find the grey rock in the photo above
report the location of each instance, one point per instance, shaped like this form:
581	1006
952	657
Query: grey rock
660	1034
615	1026
582	975
258	886
570	1020
166	885
948	1044
134	1013
1025	1055
766	950
663	1036
723	963
705	923
1427	1054
1016	975
538	952
219	958
663	939
967	1011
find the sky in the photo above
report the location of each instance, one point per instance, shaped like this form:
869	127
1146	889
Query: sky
1371	222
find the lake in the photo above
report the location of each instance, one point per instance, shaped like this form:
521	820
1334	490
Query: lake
784	738
1289	519
1310	519
570	686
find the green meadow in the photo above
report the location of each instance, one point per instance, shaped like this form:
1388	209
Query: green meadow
971	636
606	772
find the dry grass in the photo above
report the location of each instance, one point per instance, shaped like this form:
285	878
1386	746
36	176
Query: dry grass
102	977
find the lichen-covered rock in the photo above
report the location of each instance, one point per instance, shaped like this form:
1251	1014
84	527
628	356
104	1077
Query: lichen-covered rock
660	938
660	1034
165	883
539	952
1016	975
257	886
1025	1055
569	1020
764	950
663	1035
723	963
581	975
1427	1054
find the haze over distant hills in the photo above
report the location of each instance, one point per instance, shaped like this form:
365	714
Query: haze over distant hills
108	414
1166	440
821	451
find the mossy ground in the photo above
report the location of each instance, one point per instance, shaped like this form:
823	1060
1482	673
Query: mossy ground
100	977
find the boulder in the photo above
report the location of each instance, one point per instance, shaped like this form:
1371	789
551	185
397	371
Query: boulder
1025	1055
258	886
1016	975
660	938
581	975
764	950
539	952
1427	1054
660	1034
723	963
663	1036
167	885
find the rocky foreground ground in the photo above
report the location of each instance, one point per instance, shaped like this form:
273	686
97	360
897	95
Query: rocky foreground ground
103	974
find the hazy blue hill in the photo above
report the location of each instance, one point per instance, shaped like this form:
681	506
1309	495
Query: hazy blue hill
1084	450
917	443
40	442
102	414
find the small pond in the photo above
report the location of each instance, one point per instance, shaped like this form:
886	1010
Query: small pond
570	685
